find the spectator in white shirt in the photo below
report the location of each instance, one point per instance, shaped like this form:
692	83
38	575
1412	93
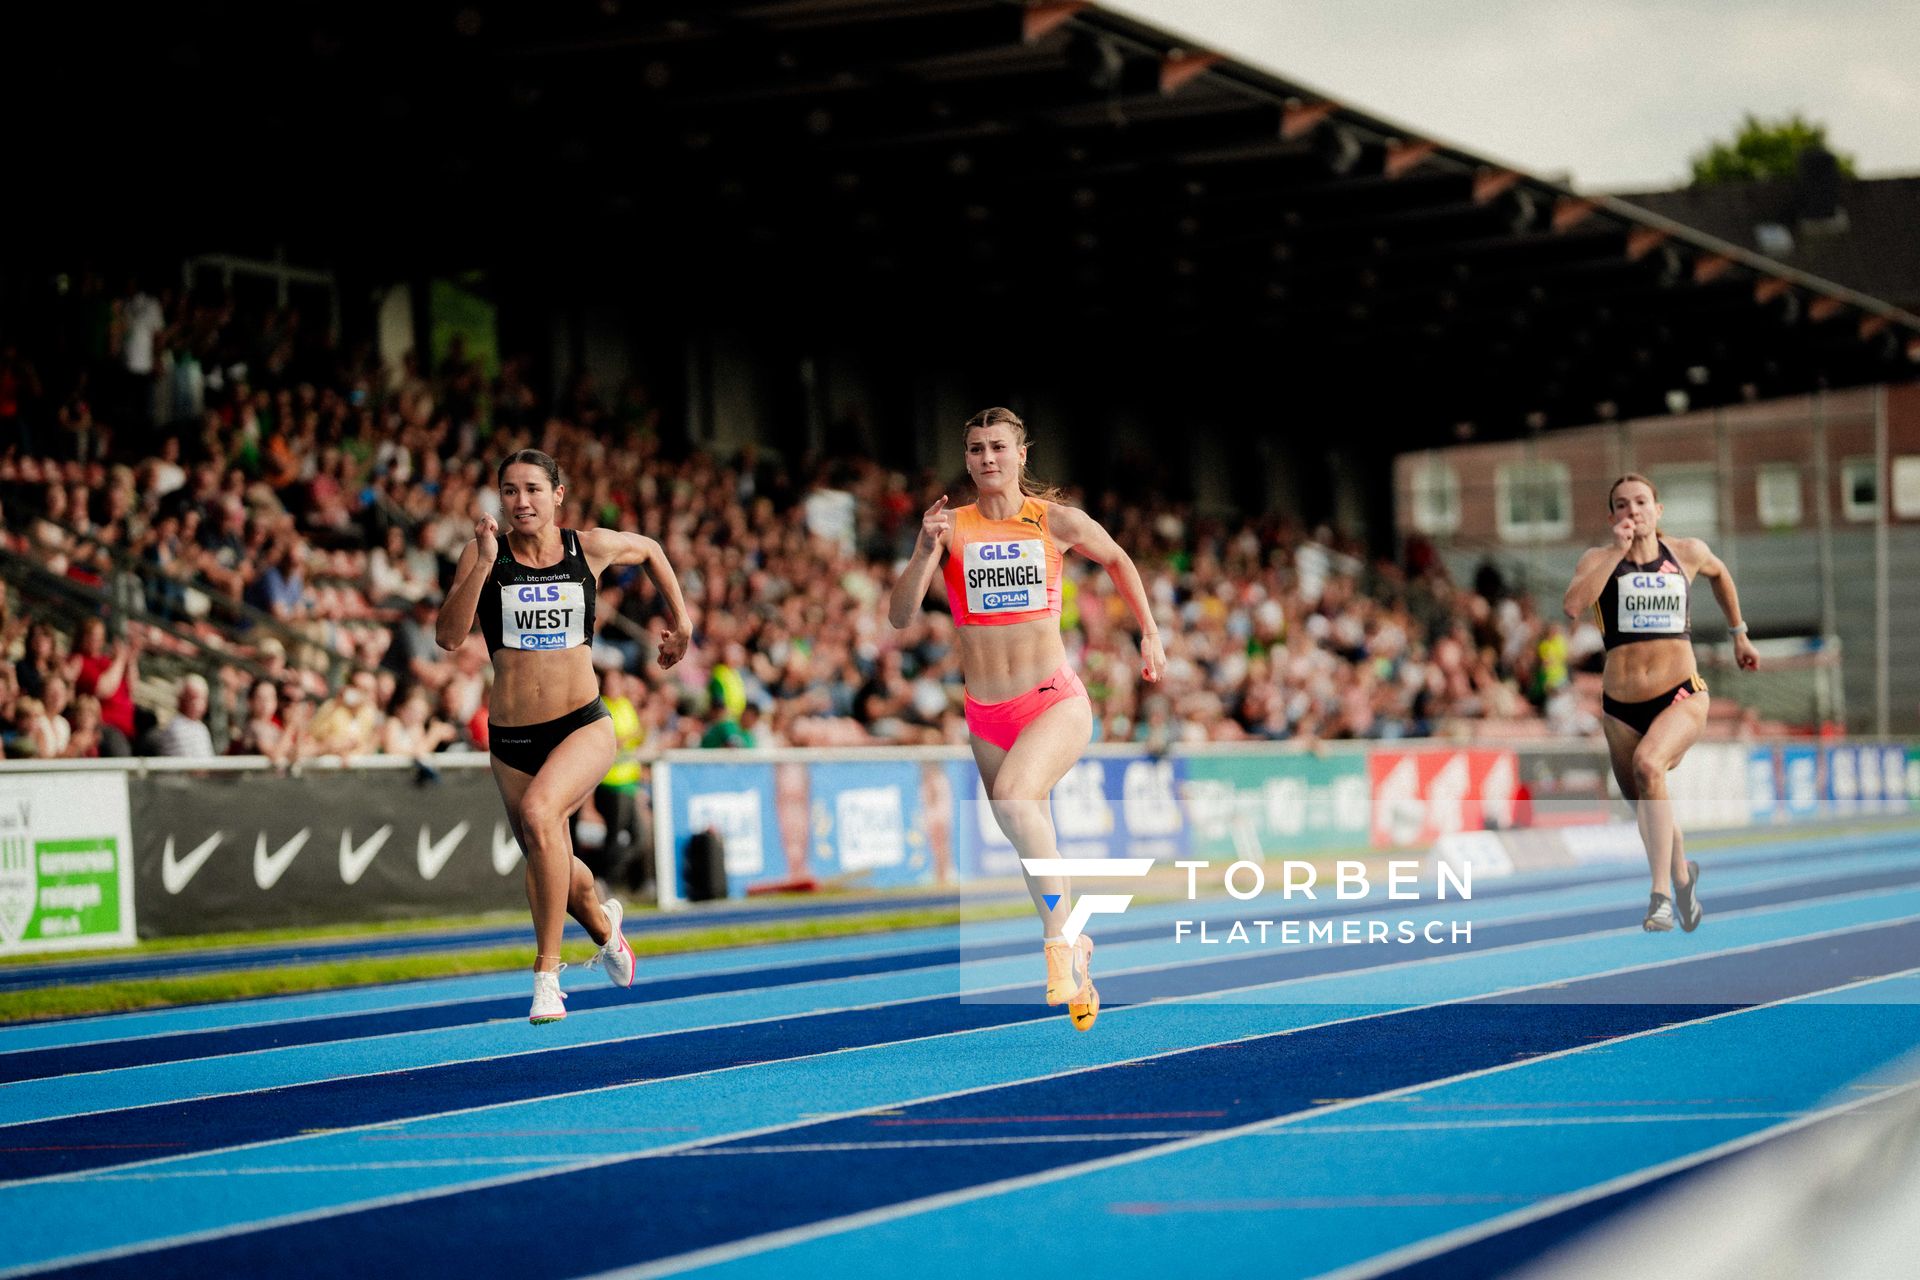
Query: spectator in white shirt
186	734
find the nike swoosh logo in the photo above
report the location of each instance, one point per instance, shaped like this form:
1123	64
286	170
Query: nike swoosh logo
176	873
433	855
269	867
354	861
506	850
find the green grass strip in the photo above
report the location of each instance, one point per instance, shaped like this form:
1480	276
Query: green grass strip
154	993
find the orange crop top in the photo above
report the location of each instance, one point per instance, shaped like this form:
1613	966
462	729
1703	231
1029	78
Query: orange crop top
1002	571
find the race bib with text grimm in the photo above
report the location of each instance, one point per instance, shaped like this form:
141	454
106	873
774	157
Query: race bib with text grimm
543	615
1005	577
1653	604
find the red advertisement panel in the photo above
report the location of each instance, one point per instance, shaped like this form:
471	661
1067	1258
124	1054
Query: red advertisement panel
1419	796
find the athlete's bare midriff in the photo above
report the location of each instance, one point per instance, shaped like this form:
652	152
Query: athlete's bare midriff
532	688
1006	661
1647	669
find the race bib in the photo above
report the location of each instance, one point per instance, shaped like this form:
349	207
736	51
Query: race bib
1005	577
543	615
1653	604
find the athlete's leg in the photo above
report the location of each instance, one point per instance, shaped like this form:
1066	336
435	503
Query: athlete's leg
1018	783
558	884
1622	742
1659	750
1053	919
583	902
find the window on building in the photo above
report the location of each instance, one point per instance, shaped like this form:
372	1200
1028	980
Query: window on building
1436	496
1906	486
1859	489
1534	500
1778	493
1690	500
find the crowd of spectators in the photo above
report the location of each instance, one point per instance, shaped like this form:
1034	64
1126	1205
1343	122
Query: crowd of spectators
180	455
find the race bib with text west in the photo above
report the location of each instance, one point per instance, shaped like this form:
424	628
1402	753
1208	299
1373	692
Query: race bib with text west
543	615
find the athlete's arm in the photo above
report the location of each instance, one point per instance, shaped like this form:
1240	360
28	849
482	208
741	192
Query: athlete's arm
1072	527
604	547
1595	567
1715	571
910	588
476	562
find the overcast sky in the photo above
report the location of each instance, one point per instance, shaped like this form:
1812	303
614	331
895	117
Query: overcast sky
1619	93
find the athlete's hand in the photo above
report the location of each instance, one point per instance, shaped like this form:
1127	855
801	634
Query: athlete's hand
486	537
1153	658
1745	654
1623	533
673	645
934	526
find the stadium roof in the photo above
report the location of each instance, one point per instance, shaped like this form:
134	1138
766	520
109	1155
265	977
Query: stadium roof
1069	172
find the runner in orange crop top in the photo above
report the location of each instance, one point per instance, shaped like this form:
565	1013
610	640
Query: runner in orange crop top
1026	709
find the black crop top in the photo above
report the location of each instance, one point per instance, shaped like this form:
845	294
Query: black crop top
1650	601
533	609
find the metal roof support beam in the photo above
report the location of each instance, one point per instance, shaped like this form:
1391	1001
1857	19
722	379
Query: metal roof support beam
1489	184
1711	267
1298	119
1406	154
1043	19
1644	240
1570	211
1181	66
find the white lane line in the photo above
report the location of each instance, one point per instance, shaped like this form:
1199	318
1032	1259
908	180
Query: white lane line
1210	997
979	996
1436	1245
874	1217
1295	1132
1866	849
433	1193
639	981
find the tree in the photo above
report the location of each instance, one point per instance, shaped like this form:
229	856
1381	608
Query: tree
1764	149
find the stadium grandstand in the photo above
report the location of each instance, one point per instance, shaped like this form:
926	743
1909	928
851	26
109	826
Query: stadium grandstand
1601	968
1236	298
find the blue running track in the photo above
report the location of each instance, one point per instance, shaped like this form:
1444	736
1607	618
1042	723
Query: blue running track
905	1101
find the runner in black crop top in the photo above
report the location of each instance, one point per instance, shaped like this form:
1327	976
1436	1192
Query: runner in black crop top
539	609
1655	602
1640	588
532	590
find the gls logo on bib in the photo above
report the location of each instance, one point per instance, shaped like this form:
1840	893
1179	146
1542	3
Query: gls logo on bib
1653	603
543	615
1005	577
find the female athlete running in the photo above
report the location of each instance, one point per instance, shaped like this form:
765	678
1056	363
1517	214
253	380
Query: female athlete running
1026	709
1656	703
548	731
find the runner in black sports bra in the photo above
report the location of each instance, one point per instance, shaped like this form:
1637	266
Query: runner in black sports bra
533	592
1641	589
